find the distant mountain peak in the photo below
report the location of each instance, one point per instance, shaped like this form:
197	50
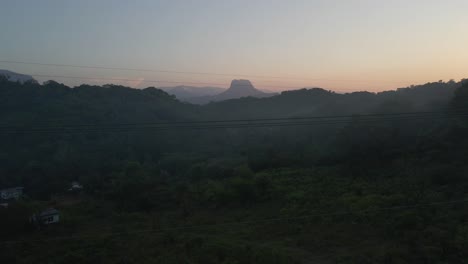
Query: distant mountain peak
242	84
201	95
240	88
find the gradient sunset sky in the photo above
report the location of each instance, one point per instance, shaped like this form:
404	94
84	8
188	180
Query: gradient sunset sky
342	45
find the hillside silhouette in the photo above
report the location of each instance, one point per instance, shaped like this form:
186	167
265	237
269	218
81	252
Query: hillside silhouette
332	164
238	89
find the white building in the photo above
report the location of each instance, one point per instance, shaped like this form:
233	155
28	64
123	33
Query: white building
11	193
49	216
75	186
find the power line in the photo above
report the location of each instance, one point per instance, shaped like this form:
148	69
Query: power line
172	82
158	127
179	72
251	222
206	127
252	120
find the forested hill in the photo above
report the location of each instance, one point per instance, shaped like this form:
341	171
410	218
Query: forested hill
317	101
373	178
51	124
23	103
30	102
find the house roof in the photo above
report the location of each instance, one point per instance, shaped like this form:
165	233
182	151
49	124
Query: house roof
76	185
12	189
49	212
6	194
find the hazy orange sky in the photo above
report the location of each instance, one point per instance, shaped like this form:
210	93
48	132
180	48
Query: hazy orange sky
339	45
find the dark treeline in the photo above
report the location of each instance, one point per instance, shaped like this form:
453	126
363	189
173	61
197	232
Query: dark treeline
388	150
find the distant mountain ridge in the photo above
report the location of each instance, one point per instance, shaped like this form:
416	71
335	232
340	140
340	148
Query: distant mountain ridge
190	94
16	77
185	93
123	104
238	89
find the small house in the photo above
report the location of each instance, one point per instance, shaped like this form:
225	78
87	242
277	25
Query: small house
46	217
11	193
49	216
75	187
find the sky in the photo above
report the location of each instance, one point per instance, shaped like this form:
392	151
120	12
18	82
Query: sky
341	45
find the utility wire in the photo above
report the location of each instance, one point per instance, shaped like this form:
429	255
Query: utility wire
357	116
176	72
159	128
180	83
185	128
221	125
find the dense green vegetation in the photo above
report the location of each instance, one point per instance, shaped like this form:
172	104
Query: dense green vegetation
384	190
